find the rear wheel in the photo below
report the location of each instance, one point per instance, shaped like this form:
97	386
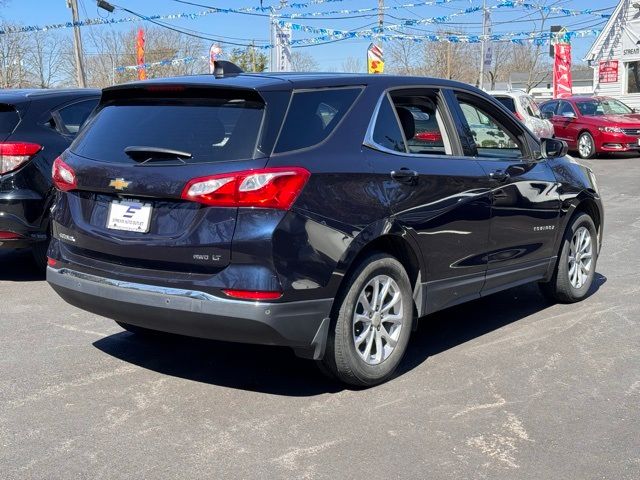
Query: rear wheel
586	145
371	328
576	265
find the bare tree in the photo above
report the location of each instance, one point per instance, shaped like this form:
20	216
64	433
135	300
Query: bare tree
45	59
13	49
303	62
353	65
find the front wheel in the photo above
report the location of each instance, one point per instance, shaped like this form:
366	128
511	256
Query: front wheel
372	324
586	146
576	265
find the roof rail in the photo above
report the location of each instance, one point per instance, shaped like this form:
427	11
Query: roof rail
225	68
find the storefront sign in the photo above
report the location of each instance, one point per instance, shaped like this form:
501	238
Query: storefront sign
608	71
562	82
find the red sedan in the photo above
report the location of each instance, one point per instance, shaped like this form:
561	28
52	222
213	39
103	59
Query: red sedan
592	125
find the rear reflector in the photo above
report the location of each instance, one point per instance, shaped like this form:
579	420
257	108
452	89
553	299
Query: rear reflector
9	236
64	178
51	262
15	154
252	295
266	188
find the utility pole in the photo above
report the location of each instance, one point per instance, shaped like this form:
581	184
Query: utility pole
484	53
77	44
380	22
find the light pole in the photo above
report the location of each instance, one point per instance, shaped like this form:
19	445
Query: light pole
77	44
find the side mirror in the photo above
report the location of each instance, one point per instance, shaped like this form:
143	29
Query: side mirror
570	115
553	148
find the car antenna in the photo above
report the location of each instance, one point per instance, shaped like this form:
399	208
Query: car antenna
225	68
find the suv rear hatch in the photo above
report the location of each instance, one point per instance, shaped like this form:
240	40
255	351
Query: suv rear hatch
133	162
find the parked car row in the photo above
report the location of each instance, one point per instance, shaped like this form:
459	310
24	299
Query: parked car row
326	213
589	124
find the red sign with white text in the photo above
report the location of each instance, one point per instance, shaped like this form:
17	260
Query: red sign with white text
142	72
562	82
608	71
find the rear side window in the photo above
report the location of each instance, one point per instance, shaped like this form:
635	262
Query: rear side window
387	131
9	119
508	102
73	116
211	130
313	115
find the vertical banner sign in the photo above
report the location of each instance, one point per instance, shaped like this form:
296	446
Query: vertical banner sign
375	59
488	49
142	72
608	71
562	83
283	47
214	51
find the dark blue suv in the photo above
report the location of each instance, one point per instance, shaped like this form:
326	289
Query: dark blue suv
304	210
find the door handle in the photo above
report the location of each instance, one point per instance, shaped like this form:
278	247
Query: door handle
499	175
404	175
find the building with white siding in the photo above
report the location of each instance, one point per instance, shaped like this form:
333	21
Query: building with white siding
615	55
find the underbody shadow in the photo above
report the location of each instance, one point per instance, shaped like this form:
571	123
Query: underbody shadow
277	371
19	266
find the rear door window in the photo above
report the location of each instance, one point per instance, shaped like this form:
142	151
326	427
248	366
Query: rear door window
313	115
210	129
73	116
9	120
386	132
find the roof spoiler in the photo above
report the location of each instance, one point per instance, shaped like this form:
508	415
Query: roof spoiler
225	68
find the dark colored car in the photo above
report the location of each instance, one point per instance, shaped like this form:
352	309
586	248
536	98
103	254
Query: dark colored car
35	127
297	210
593	125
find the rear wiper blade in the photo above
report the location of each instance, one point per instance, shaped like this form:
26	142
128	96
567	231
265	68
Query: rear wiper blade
149	154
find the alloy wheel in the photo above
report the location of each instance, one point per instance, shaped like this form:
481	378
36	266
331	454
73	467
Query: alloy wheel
580	257
585	146
377	319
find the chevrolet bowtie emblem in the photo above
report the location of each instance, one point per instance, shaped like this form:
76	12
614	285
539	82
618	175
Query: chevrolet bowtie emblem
119	183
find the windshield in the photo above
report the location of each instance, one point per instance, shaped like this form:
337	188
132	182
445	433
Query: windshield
608	106
9	119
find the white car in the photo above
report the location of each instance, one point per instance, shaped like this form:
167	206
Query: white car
525	108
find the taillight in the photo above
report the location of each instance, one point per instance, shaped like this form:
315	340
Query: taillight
64	178
14	154
9	236
519	116
253	295
267	188
52	262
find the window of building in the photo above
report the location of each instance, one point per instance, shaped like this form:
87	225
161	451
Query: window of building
633	77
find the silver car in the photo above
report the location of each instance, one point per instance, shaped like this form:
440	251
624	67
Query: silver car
524	107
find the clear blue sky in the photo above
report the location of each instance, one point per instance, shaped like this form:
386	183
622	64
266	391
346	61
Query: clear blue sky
246	27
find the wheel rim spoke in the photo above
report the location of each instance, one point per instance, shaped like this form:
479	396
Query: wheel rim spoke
580	257
377	319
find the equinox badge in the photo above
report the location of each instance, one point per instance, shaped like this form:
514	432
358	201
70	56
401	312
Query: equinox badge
119	183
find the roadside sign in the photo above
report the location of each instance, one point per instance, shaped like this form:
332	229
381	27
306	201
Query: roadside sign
375	59
608	71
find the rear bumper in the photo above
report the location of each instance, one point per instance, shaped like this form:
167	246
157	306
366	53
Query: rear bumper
302	325
17	207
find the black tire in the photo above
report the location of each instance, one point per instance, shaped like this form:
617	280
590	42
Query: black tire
560	288
592	152
341	359
39	253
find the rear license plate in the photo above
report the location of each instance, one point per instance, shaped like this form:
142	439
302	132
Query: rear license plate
129	216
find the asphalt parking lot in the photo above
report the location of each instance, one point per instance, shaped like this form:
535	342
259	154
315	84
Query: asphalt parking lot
505	387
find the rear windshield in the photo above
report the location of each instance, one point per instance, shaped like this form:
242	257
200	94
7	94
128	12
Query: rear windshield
313	115
212	130
9	119
508	102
